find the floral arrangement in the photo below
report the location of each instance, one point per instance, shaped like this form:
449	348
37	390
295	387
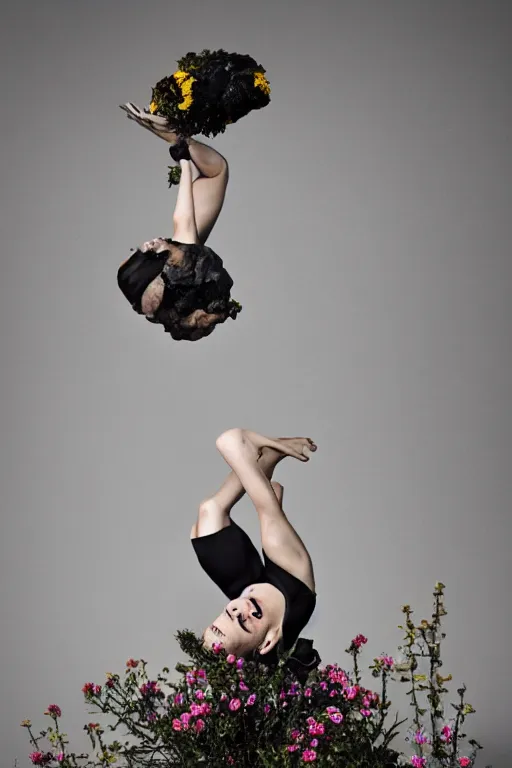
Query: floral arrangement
210	90
226	711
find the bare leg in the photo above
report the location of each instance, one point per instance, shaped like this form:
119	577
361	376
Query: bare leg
184	217
210	188
280	540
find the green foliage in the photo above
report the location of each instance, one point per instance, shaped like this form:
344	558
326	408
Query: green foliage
223	711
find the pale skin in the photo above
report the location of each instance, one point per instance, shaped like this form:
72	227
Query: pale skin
253	459
198	205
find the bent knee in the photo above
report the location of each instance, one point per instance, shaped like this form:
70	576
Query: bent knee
229	438
211	518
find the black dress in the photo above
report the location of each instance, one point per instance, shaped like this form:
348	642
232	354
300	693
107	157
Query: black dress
233	563
194	279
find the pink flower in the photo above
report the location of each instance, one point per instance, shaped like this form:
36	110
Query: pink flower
446	734
292	747
366	712
205	708
185	718
359	640
239	664
332	694
337	676
97	690
37	758
311	721
243	686
251	699
295	733
217	648
199	695
201	674
420	738
366	701
199	725
336	717
351	692
176	724
387	661
308	693
151	717
132	663
223	696
234	704
309	756
88	689
266	709
149	689
110	683
418	762
179	698
231	658
54	710
60	757
230	760
464	762
190	678
314	743
318	729
323	685
330	710
195	710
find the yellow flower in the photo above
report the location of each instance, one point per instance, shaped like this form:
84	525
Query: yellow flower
185	81
261	82
153	107
180	76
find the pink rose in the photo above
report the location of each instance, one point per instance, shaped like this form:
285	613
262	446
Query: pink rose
359	640
251	699
231	658
336	718
54	710
418	762
176	724
199	725
243	686
234	704
292	747
309	756
308	693
464	762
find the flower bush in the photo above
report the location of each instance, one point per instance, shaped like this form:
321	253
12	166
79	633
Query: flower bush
226	711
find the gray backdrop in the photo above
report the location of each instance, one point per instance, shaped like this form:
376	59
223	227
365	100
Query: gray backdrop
367	227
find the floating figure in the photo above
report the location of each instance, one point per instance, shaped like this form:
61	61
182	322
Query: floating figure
179	282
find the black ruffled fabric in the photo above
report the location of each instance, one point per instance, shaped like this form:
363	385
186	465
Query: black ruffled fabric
303	660
197	280
220	89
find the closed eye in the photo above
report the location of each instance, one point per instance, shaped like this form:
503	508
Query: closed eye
241	622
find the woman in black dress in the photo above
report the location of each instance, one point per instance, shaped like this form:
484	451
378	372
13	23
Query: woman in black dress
271	601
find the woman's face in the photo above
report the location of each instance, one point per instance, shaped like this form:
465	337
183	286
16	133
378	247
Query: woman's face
241	628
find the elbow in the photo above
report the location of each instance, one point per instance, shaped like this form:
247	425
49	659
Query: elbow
229	440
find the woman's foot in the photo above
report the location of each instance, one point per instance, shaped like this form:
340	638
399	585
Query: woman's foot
303	445
159	126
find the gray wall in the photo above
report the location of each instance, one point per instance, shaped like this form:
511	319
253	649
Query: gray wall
367	226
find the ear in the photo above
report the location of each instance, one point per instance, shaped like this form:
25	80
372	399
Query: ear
271	640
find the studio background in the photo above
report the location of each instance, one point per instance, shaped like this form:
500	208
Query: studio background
367	228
